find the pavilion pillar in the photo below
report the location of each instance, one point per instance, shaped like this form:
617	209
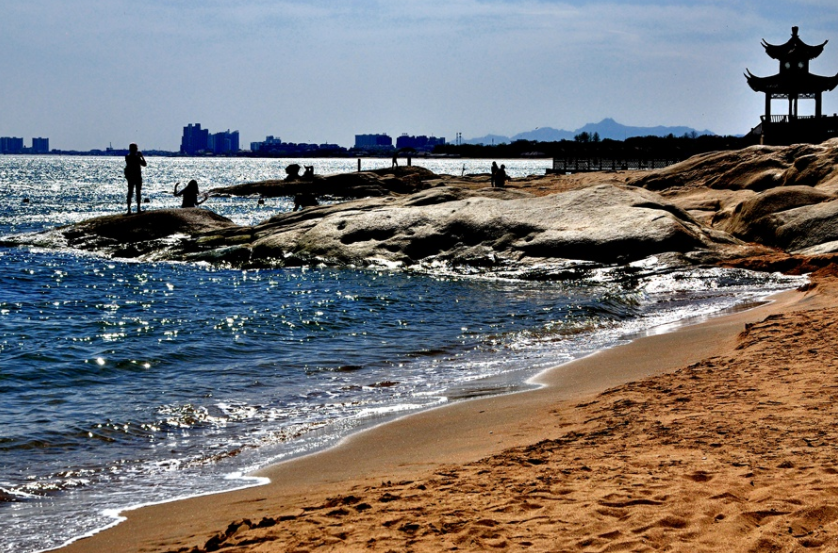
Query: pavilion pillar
767	107
819	105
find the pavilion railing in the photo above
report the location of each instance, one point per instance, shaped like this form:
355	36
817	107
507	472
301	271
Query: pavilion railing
788	118
784	129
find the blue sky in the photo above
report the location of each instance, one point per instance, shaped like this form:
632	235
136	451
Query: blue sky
92	72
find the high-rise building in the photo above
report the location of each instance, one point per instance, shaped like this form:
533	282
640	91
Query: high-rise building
40	145
11	145
220	143
194	140
373	141
419	142
225	142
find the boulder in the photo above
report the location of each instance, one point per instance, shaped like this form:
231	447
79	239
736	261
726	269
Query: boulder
754	219
805	227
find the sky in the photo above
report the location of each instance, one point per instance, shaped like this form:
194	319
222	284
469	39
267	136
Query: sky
91	73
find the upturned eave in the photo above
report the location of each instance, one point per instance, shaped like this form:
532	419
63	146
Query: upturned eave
800	84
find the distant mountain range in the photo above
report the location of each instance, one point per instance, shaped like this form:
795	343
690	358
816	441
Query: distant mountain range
607	128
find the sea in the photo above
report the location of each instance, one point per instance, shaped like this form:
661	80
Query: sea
125	383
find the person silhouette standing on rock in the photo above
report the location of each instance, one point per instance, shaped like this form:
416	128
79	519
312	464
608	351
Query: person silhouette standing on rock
134	163
494	172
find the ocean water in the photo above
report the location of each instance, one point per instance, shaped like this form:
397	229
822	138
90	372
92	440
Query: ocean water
125	383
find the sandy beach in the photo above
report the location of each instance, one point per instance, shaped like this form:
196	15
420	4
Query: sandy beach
719	436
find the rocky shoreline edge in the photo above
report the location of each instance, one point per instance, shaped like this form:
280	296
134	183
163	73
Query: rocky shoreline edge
762	208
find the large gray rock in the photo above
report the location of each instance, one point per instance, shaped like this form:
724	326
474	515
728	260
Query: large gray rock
496	228
605	224
803	228
756	219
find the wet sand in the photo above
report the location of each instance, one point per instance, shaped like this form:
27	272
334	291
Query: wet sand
719	436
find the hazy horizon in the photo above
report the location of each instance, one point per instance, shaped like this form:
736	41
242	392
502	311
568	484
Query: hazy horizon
89	74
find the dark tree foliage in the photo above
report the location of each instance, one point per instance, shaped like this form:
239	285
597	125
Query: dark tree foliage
657	147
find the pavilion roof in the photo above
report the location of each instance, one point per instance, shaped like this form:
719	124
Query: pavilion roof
793	49
797	84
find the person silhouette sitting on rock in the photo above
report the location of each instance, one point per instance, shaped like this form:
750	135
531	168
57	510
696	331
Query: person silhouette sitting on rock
293	172
304	199
190	194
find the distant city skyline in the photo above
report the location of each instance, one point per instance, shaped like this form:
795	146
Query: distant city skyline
88	74
196	140
17	145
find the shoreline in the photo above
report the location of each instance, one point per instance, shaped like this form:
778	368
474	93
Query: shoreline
521	382
459	433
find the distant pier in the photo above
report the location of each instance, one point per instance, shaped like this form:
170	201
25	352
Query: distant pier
566	165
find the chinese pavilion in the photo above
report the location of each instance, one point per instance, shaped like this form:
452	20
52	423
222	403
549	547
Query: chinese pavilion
794	82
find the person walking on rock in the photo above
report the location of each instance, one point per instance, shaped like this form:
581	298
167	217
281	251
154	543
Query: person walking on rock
134	163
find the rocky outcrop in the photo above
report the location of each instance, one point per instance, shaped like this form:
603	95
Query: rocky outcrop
781	197
379	182
138	235
496	228
717	207
756	168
